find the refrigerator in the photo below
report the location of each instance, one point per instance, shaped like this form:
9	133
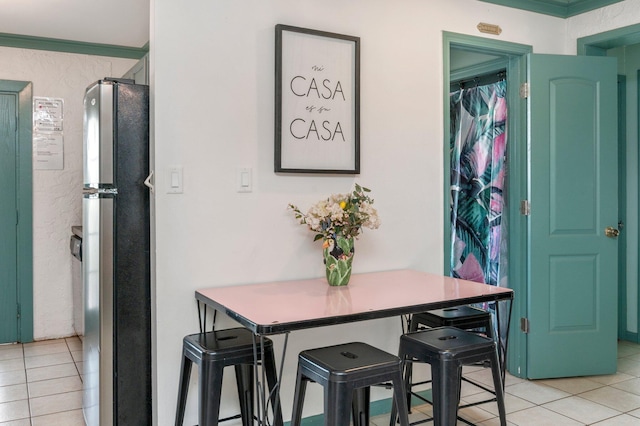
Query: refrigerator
116	255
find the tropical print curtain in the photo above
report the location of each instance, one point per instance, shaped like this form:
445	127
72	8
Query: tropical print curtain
478	169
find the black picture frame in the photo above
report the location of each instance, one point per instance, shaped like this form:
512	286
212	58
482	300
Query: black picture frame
317	102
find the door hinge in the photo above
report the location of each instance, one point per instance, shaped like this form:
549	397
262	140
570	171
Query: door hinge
18	313
524	90
524	325
525	208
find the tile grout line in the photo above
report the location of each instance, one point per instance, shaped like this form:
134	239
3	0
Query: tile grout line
26	381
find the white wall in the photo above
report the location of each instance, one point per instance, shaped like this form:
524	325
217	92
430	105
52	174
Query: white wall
213	94
57	199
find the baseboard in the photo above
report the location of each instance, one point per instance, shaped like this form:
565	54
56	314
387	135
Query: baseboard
628	336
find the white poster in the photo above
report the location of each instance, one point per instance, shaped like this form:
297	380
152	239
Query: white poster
48	151
48	139
47	114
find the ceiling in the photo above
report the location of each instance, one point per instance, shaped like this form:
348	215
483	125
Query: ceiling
126	22
116	22
560	8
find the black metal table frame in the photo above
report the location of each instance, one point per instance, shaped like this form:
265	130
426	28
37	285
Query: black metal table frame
260	331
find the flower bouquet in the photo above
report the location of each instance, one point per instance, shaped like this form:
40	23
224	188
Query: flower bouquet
338	220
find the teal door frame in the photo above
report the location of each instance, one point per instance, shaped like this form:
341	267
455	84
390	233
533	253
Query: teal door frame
597	45
514	56
623	334
24	192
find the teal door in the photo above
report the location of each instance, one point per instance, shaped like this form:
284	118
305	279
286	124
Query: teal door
572	301
8	219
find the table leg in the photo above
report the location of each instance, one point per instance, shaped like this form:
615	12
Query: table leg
503	344
261	380
202	317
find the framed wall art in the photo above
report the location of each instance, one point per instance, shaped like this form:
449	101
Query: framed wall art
317	102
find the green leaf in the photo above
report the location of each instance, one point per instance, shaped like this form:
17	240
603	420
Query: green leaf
345	244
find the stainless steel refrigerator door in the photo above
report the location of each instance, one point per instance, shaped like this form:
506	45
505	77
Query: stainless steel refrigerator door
98	280
117	347
98	136
98	227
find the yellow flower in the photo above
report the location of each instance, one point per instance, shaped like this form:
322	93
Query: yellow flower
343	204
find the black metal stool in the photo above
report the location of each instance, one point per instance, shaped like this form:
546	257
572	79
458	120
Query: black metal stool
212	352
464	317
346	372
447	349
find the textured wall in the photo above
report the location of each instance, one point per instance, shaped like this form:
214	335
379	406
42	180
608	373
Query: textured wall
57	200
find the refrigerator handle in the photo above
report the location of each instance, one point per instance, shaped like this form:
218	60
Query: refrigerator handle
148	183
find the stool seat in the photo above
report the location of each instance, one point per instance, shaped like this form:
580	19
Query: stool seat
344	370
447	349
212	352
465	317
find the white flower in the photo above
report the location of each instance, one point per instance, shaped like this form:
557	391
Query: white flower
340	214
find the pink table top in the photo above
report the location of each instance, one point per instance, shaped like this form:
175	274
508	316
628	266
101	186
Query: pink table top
277	307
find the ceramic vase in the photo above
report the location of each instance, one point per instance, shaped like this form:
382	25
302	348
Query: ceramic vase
338	257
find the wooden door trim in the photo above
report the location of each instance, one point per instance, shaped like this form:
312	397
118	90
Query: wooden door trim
516	56
24	184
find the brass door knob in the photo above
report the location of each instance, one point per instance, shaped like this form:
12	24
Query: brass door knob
611	232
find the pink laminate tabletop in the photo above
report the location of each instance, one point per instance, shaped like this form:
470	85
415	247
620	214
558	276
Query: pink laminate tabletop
282	306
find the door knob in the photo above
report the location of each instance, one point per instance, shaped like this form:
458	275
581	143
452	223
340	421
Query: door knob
611	232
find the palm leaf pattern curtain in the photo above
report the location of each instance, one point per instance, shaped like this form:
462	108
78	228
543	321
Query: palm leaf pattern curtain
478	169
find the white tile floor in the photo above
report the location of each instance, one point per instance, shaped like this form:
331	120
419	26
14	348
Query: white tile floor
599	400
40	385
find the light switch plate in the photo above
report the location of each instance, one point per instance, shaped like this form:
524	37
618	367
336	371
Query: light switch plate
174	180
244	180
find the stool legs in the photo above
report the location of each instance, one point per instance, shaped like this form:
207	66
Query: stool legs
408	368
446	386
244	380
399	408
336	412
360	406
446	392
498	383
298	398
185	373
209	382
